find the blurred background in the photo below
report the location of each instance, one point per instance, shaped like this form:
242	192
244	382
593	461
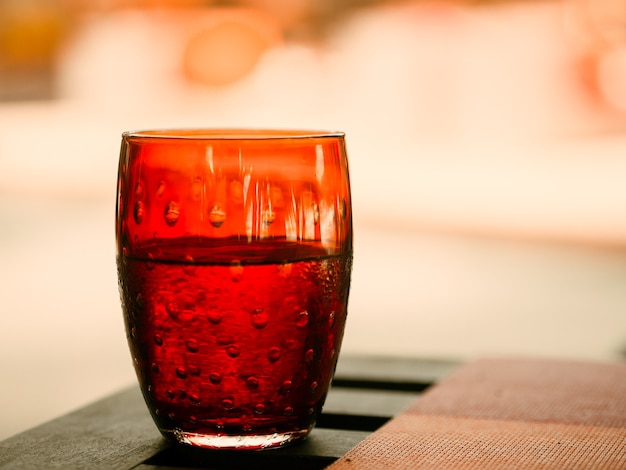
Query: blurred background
487	143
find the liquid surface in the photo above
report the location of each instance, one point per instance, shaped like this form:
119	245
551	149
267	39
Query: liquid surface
243	348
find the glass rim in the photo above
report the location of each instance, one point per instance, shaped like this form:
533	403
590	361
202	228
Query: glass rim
250	134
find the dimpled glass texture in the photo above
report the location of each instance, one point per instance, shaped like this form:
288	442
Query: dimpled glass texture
234	255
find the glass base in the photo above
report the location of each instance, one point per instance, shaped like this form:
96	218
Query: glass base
242	442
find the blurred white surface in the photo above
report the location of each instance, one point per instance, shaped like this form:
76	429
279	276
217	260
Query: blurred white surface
413	293
488	195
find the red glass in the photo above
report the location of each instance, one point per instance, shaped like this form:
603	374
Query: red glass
234	254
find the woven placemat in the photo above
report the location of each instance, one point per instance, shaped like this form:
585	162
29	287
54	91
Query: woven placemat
504	413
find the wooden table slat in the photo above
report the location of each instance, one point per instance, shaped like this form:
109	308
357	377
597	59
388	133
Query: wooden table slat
114	433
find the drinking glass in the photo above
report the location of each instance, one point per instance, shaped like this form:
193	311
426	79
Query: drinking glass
234	255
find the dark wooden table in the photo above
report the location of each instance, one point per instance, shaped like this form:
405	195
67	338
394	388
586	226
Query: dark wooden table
118	433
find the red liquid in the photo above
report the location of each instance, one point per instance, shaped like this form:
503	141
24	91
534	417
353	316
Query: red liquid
236	348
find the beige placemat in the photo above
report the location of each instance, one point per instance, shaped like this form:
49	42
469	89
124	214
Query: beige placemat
503	413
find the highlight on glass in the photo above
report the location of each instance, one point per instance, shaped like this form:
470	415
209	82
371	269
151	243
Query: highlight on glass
234	255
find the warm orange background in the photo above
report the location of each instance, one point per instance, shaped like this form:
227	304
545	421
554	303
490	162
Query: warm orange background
487	153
